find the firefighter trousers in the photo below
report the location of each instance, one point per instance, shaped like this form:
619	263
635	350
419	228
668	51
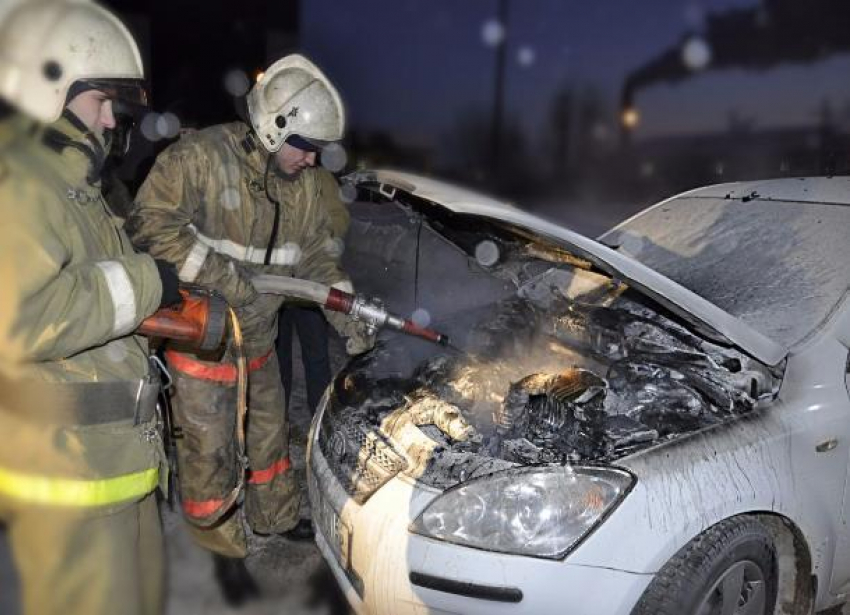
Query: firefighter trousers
73	562
205	413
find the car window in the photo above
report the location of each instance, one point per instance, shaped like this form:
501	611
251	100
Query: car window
780	266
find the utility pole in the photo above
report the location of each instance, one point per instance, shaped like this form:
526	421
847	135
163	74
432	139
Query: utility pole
498	91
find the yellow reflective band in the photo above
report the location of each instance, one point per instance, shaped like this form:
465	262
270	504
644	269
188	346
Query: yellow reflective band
80	493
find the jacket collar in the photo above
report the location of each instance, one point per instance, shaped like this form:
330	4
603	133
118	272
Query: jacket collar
59	145
248	147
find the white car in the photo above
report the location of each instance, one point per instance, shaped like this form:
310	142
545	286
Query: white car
657	422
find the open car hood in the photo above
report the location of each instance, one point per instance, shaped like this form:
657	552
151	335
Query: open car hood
703	315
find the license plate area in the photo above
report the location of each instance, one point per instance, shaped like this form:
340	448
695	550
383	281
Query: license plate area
336	532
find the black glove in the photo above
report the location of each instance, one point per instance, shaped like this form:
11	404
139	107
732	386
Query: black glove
170	283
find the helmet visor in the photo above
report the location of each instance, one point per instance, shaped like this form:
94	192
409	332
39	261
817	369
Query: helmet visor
305	144
129	92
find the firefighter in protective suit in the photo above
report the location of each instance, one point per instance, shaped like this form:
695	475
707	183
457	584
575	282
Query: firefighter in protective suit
81	453
223	204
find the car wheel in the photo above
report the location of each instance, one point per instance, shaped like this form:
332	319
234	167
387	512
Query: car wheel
729	569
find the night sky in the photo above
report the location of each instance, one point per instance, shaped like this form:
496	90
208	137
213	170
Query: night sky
411	66
767	91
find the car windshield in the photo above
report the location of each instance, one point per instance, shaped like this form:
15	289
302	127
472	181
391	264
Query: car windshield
779	266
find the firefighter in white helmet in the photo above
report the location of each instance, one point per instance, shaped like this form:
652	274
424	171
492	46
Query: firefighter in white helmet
223	204
81	452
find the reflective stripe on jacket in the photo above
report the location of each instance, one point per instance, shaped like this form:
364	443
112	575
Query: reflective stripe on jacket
46	490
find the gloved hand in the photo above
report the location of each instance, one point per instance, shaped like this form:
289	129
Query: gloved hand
238	291
170	283
359	338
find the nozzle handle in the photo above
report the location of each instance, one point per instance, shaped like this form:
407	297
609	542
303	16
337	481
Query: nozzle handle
411	328
375	315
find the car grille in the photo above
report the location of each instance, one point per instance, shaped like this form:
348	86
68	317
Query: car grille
360	458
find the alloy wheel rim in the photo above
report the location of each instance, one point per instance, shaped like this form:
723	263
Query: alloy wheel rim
739	590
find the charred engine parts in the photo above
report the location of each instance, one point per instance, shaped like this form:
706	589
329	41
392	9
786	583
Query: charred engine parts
570	369
543	403
553	411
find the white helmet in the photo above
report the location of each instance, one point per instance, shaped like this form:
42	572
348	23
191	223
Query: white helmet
293	97
46	46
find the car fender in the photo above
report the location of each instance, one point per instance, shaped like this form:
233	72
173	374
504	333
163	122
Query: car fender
764	462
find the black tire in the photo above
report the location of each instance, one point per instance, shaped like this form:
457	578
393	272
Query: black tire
733	561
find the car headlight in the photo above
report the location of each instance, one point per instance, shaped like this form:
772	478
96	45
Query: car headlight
541	512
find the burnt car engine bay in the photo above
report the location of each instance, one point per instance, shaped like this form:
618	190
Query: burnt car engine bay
552	362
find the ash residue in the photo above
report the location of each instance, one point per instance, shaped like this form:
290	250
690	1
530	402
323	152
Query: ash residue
549	379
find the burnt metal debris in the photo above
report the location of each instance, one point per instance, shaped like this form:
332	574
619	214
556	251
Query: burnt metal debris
573	368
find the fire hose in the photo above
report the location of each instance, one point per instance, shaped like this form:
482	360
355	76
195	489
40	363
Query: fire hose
200	321
369	311
241	414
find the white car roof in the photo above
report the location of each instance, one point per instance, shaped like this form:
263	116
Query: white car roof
687	304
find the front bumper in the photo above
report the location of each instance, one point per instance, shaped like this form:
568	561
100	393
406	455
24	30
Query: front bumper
372	555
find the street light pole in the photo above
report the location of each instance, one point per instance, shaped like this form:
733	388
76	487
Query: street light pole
498	91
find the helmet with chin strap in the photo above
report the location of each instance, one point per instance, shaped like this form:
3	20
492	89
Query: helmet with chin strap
294	102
